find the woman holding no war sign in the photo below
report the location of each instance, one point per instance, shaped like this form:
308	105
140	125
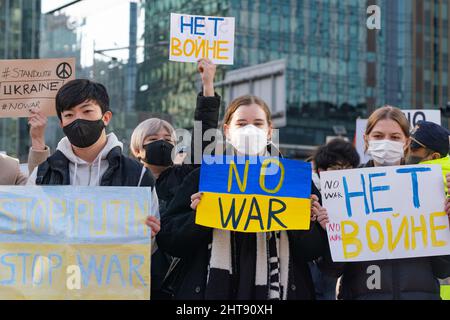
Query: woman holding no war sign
387	140
226	265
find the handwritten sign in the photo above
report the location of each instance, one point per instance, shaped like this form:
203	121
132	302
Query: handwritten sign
74	243
29	83
254	194
386	213
194	37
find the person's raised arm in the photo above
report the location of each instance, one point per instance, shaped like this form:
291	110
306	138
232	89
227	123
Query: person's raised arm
206	111
39	152
207	70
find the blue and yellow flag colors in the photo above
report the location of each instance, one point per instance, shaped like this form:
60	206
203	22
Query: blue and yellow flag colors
254	194
64	242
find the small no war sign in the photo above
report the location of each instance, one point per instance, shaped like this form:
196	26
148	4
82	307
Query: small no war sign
386	213
64	242
194	37
254	194
32	83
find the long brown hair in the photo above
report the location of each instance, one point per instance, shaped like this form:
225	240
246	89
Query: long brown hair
245	101
388	113
391	113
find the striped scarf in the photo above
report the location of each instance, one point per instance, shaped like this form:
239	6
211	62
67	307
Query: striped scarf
234	273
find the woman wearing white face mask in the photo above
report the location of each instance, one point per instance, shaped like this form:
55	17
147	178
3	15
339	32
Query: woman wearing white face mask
219	264
247	126
387	137
387	140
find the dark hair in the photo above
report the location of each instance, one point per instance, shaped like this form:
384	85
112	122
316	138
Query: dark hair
337	151
78	91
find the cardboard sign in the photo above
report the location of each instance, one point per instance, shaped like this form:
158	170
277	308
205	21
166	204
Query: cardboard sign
194	37
386	212
65	242
254	194
32	83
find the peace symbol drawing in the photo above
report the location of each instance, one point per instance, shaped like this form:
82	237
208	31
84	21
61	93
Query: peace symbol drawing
64	70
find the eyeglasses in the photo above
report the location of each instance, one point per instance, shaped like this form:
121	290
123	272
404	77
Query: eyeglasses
419	143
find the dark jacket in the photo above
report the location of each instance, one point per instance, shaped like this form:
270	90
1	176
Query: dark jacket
181	237
167	184
122	171
401	279
206	112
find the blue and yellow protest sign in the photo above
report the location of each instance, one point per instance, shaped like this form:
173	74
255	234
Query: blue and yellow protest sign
254	194
64	242
386	213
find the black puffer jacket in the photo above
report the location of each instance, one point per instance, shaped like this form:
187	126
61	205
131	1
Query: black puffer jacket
181	237
122	171
167	184
401	279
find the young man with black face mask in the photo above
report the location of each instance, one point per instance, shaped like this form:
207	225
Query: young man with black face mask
87	156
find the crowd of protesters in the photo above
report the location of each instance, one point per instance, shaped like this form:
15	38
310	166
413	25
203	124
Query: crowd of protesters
190	261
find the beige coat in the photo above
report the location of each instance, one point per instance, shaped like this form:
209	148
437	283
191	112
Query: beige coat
10	173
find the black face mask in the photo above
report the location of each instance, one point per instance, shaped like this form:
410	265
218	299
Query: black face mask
84	133
413	160
159	153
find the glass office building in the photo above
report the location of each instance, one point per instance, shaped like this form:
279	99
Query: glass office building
337	69
19	39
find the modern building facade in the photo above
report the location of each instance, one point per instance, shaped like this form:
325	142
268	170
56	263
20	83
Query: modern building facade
337	69
19	39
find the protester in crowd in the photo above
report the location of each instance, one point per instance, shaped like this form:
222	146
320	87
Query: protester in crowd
10	173
430	145
387	138
220	264
39	151
87	156
337	154
153	141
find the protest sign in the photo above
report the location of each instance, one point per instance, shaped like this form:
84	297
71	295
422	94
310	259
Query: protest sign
386	212
194	37
65	242
254	194
29	83
413	117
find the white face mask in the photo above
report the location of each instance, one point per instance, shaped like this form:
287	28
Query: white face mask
249	140
386	152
